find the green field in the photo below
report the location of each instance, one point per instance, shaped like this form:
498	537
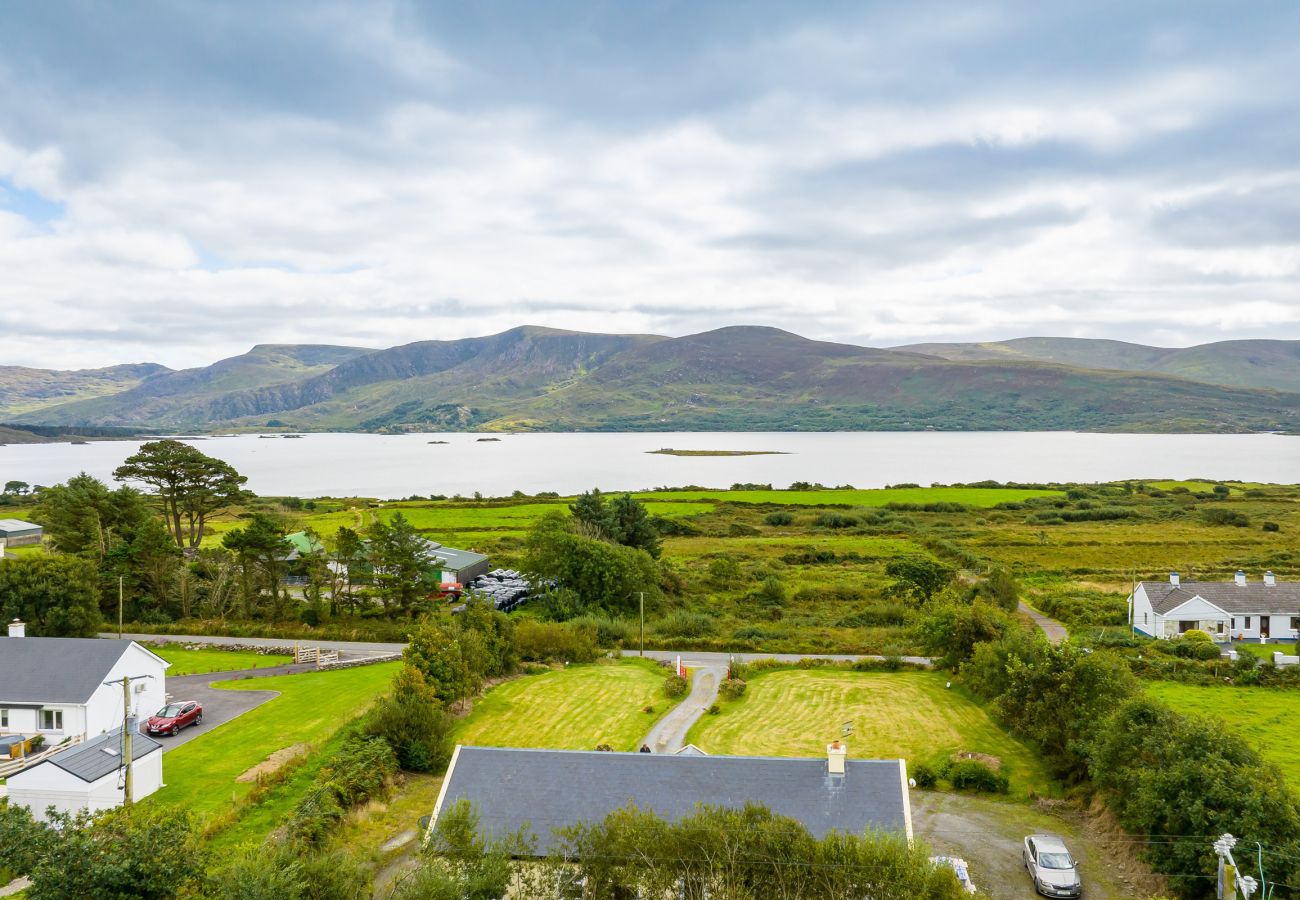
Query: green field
571	709
1265	717
796	712
197	662
981	498
312	706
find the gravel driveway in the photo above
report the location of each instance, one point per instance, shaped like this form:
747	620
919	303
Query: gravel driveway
669	733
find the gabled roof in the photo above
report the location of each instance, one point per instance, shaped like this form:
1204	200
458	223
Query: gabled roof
454	559
9	526
547	789
55	670
102	755
1251	598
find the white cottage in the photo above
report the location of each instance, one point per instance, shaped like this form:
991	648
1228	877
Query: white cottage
62	688
1226	610
89	776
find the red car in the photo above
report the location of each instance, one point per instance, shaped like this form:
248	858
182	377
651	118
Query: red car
175	716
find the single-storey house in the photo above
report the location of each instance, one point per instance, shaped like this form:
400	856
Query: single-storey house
89	776
301	544
17	533
547	789
58	687
1226	610
456	566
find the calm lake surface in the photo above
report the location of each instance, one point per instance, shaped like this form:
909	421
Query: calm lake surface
384	466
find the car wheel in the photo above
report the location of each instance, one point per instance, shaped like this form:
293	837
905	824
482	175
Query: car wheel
199	719
175	731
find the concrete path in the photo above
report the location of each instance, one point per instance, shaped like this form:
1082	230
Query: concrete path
1054	630
13	887
669	733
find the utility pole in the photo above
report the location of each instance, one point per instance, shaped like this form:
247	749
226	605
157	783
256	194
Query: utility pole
126	734
642	594
1231	882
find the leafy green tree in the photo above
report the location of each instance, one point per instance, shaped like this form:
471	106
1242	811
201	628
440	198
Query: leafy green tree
17	487
191	487
128	853
349	565
952	630
414	723
601	575
594	513
917	578
23	840
57	596
435	650
459	864
403	571
633	526
261	548
999	588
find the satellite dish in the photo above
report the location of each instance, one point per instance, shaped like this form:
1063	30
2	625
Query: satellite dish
846	729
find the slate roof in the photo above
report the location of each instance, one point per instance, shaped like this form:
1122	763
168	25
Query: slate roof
1251	598
455	559
17	526
547	789
55	670
100	756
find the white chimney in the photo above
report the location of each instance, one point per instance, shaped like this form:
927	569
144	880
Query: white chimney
836	753
1241	578
1270	579
1173	578
17	628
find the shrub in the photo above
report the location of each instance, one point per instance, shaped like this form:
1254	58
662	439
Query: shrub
835	520
758	633
724	569
1196	635
675	686
771	592
714	710
731	689
684	624
609	632
1219	516
1270	526
541	641
778	518
975	775
925	776
413	723
883	615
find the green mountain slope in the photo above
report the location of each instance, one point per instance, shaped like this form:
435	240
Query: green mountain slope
739	378
1251	364
25	390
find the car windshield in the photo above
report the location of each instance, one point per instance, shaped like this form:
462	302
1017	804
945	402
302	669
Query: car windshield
169	712
1055	861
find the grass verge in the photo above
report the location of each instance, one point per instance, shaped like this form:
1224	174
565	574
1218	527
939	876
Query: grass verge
199	662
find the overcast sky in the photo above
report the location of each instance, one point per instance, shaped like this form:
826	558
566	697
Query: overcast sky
180	181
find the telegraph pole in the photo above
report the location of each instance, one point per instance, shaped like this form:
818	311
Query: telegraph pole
126	733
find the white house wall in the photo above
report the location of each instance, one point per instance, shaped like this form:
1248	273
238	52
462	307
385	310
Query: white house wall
105	707
1144	619
47	785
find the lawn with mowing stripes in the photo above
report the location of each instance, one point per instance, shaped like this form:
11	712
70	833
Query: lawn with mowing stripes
198	662
1265	717
575	708
200	775
796	712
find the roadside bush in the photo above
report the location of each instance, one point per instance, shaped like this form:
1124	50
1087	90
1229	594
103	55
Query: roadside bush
609	632
684	624
676	686
731	689
543	641
924	776
975	775
756	633
879	616
413	723
778	518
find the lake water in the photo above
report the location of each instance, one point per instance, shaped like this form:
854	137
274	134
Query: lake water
384	466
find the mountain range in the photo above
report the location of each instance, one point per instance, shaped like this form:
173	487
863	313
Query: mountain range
736	378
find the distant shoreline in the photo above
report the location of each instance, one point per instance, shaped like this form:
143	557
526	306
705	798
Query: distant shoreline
669	451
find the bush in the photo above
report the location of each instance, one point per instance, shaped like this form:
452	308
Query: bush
924	776
542	641
883	615
739	529
282	872
609	632
414	724
1271	526
977	776
1196	635
683	624
778	518
714	710
731	689
1219	516
835	520
675	686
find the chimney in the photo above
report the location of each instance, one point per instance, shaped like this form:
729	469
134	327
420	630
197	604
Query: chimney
1241	578
835	756
17	628
1173	578
1270	579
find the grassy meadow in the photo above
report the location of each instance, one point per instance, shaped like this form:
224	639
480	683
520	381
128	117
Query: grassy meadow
198	662
797	712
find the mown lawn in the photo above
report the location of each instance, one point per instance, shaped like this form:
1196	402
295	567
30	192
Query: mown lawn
201	775
797	712
575	708
1265	717
198	662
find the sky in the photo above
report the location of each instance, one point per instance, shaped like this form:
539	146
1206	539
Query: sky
181	181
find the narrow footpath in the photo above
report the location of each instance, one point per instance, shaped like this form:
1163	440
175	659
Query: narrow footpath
669	733
1054	630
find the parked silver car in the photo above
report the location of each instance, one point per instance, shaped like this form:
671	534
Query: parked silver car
1052	867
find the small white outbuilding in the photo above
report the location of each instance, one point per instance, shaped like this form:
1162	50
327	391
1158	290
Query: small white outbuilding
89	776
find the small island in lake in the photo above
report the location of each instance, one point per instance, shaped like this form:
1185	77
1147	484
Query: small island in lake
669	451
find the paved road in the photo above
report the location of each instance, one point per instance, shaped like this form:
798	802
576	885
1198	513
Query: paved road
713	658
669	733
352	648
1054	630
220	706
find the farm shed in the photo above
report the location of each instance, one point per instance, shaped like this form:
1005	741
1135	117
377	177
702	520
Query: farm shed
511	788
17	533
456	566
89	776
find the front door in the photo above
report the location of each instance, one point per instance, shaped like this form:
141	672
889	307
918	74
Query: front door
1263	626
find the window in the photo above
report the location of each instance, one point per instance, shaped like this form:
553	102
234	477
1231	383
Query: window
1247	625
4	717
1185	625
51	720
1144	618
1295	623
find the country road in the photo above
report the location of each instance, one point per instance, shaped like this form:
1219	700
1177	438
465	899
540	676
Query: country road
1054	630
